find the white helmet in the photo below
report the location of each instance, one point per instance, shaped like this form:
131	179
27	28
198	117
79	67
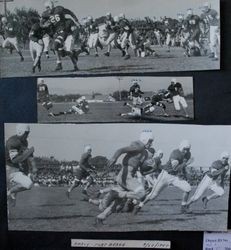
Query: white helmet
206	6
159	153
87	148
4	20
40	80
146	136
83	98
121	15
189	12
49	4
108	14
22	128
224	154
116	19
173	80
184	145
89	18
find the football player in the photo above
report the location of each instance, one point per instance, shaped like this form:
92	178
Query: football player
19	162
210	181
156	100
211	20
136	111
194	26
81	107
135	94
36	44
43	96
11	40
129	185
177	93
83	171
55	18
171	175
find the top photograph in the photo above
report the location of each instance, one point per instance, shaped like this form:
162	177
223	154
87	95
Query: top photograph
85	37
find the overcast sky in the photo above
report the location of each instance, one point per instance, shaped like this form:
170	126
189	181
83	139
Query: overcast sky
67	141
107	85
132	8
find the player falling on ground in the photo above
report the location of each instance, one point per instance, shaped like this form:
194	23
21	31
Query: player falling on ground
83	171
136	111
171	174
176	91
19	163
156	101
81	107
212	22
36	44
218	170
10	36
129	185
43	96
55	18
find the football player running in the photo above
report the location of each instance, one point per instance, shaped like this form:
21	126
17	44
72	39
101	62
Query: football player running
55	17
171	174
20	163
83	171
9	32
210	181
36	44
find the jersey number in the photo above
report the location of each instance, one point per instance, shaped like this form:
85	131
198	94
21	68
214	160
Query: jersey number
55	18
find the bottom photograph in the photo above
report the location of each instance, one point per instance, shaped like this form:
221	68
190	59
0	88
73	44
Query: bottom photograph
117	177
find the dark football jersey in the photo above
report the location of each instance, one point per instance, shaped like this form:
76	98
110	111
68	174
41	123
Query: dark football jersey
14	146
156	98
175	89
9	30
36	32
194	22
216	165
180	157
85	160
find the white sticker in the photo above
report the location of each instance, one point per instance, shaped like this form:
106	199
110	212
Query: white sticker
217	241
121	243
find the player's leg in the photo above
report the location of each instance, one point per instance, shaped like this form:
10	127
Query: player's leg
46	41
58	47
218	191
176	102
161	182
38	47
184	105
201	188
76	182
14	43
163	107
186	188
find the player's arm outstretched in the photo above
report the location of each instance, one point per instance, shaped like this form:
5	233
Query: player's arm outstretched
70	13
18	158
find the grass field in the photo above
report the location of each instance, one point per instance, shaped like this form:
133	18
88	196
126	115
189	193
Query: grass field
109	112
48	209
173	61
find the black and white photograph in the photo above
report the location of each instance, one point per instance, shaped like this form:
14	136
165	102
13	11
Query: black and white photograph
117	177
57	37
115	99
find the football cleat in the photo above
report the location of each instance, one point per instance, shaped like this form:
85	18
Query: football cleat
107	54
58	67
127	57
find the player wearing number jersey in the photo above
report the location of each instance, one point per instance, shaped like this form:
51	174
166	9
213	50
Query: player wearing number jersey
43	96
55	17
218	170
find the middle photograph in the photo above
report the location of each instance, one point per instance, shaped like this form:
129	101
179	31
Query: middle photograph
115	99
